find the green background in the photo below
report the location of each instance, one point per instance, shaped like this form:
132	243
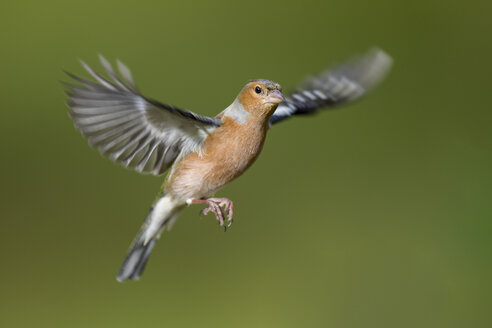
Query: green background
376	215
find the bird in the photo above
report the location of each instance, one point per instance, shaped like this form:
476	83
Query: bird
200	154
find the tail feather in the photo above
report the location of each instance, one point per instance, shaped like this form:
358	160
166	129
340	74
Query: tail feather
160	216
134	264
143	260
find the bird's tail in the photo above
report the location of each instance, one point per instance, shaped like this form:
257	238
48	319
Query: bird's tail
161	216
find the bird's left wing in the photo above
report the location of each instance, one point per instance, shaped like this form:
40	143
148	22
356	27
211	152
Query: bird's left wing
129	128
335	86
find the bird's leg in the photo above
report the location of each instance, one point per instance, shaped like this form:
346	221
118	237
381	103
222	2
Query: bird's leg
215	205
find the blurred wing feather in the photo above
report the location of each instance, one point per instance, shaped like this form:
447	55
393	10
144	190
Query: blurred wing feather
335	86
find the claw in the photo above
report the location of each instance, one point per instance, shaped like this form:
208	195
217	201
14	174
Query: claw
215	205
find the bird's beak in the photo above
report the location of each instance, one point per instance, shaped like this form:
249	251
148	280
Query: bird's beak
275	97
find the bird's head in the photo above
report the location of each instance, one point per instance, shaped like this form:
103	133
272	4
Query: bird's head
261	97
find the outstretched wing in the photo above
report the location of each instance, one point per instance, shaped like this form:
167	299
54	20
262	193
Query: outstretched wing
341	84
129	128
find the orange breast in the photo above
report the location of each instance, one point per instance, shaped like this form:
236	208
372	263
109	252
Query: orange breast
225	155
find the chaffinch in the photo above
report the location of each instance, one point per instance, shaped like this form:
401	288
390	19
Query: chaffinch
202	153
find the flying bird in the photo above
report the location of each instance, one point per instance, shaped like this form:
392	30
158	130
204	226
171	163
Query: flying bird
201	154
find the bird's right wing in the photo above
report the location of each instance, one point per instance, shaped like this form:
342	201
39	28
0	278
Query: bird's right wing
335	86
129	128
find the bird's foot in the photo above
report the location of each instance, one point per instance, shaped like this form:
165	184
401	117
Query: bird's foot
215	206
228	206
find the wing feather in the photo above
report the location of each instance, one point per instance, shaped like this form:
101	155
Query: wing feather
335	86
129	128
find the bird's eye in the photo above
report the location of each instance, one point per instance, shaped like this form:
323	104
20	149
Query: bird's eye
258	89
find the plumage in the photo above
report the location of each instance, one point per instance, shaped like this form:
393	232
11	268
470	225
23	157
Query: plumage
225	155
130	129
204	153
335	86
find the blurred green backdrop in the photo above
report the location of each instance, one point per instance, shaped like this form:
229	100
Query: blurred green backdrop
377	215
